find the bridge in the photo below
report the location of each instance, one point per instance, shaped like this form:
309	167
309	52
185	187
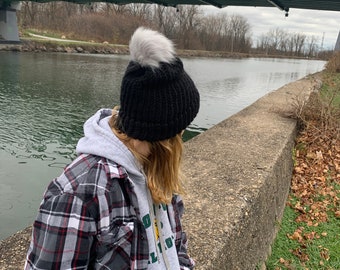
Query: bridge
9	29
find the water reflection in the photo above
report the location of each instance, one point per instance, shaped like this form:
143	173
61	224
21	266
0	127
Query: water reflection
46	98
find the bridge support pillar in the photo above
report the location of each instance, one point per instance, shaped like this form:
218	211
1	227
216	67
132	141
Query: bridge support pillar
9	32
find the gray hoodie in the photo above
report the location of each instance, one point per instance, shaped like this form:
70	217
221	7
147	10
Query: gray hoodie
99	140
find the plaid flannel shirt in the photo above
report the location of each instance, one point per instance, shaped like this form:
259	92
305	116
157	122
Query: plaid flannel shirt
89	219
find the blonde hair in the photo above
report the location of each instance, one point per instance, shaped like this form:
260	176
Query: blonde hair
161	166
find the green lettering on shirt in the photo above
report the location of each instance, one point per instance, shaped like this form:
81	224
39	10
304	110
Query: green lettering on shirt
146	221
169	242
153	257
160	247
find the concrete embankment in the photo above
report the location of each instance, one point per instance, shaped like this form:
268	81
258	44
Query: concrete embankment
238	177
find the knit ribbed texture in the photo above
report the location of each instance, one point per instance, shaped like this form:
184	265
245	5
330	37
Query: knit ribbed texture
157	103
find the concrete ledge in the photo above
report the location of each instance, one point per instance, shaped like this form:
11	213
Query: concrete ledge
239	176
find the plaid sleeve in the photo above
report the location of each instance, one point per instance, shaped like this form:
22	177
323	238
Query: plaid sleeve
62	234
177	211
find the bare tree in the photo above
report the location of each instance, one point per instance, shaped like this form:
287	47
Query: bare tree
298	41
263	43
278	41
311	46
239	32
276	37
188	18
211	32
142	11
119	9
28	14
165	19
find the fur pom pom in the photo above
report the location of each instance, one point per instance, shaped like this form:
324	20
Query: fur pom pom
149	48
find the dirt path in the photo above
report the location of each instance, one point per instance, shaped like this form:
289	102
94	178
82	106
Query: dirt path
58	39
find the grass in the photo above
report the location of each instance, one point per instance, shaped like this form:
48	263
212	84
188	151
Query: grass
309	233
26	34
299	246
332	88
57	44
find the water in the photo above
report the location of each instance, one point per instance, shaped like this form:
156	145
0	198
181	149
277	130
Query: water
45	99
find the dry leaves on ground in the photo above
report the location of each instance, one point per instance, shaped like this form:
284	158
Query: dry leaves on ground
315	189
316	178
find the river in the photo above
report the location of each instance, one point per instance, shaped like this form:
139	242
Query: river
45	99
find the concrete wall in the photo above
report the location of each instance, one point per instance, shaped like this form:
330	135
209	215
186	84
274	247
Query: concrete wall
238	175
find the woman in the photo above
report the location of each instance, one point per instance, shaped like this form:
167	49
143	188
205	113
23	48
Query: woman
118	204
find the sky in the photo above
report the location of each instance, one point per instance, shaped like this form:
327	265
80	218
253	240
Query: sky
324	25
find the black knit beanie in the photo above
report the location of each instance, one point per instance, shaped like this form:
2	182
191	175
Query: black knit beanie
158	99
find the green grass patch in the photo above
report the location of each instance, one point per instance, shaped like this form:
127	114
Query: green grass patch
282	244
299	246
330	90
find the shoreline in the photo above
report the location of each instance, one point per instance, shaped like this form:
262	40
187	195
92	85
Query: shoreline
70	46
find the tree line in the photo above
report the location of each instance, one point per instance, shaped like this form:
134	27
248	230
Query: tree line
187	25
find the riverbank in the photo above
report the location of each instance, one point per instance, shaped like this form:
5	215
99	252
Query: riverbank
60	46
36	44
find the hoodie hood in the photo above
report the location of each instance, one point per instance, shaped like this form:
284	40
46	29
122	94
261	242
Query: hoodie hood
99	140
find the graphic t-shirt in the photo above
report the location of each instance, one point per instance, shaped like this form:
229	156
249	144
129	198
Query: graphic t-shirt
162	249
